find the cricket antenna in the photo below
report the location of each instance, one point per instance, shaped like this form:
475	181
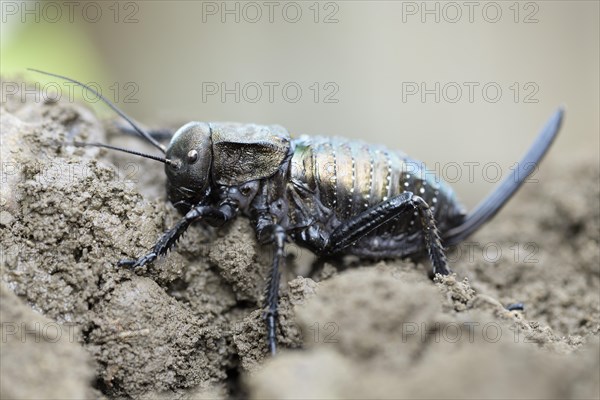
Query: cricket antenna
137	153
139	130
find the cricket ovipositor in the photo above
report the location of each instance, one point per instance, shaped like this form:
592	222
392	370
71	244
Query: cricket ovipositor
333	196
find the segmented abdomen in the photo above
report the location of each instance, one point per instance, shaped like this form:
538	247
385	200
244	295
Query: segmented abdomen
350	176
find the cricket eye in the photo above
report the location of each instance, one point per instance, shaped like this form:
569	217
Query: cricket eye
192	156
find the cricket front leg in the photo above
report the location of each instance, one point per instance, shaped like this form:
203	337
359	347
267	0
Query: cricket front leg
212	215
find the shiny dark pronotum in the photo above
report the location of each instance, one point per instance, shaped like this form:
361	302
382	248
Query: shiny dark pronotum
331	195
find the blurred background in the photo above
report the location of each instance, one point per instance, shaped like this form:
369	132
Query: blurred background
462	86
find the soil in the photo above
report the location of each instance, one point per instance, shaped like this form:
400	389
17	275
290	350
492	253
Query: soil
76	325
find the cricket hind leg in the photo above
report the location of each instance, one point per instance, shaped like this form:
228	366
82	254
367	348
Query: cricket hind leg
370	220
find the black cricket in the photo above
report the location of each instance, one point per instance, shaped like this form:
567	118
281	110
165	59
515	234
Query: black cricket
331	195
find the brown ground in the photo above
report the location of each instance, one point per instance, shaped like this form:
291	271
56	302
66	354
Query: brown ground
75	325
